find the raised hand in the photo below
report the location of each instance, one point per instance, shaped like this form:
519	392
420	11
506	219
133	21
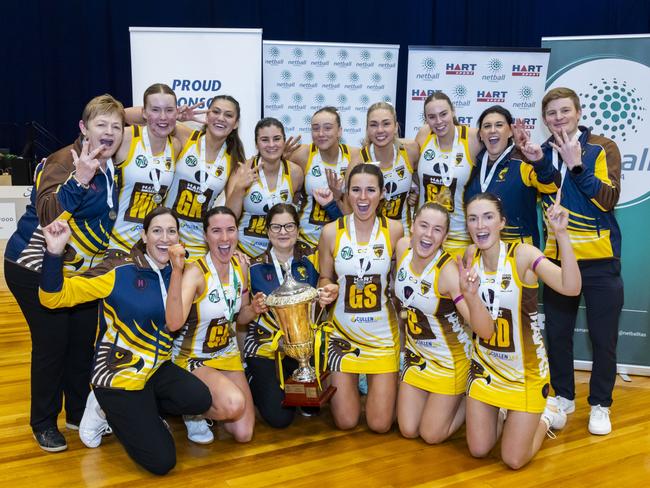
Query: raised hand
246	174
242	257
86	163
187	113
177	256
259	303
568	148
335	183
327	294
531	151
290	146
467	278
56	236
323	196
557	216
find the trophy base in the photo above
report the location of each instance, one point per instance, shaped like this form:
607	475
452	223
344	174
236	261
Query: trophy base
307	394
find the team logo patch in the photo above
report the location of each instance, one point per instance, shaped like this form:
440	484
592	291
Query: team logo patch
140	283
284	195
191	161
459	158
502	174
346	253
401	275
400	171
429	154
141	161
425	286
378	249
302	271
505	281
316	171
219	171
168	164
213	296
256	197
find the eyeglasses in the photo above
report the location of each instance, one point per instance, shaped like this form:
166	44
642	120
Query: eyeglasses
288	228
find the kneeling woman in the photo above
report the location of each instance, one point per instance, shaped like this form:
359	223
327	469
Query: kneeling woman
266	275
509	371
431	399
132	376
356	252
204	300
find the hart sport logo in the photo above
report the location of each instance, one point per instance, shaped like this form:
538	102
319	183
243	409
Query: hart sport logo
460	69
491	96
527	70
615	106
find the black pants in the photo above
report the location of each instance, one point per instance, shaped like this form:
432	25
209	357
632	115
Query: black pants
62	350
135	418
602	288
266	391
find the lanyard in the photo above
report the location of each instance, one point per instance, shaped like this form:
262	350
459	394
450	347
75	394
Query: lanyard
485	180
561	167
406	302
362	250
228	306
110	182
278	267
447	174
203	165
154	174
496	286
265	186
161	282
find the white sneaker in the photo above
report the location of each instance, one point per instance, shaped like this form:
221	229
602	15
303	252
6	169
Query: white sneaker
565	405
599	423
554	417
198	429
93	424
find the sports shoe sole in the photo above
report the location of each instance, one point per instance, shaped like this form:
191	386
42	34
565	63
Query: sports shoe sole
50	449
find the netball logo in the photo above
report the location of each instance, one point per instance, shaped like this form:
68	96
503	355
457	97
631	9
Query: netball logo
191	161
346	253
429	154
616	107
315	171
401	276
256	197
141	161
213	296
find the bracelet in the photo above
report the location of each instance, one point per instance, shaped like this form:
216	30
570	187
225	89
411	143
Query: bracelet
458	299
85	186
537	261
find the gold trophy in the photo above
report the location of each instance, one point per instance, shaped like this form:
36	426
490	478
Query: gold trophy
291	304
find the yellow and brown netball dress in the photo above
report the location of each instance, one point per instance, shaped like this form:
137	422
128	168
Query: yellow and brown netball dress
443	176
437	345
208	338
397	184
143	179
259	199
365	338
195	188
312	216
511	369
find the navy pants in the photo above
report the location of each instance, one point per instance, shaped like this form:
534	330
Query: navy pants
602	289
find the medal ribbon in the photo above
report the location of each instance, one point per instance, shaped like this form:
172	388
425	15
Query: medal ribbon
161	282
561	167
203	155
362	250
155	178
448	173
485	180
406	302
265	186
229	305
496	287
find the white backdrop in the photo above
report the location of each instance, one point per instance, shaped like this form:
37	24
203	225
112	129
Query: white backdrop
199	64
302	77
475	79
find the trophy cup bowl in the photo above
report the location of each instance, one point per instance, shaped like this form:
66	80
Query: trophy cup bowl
291	304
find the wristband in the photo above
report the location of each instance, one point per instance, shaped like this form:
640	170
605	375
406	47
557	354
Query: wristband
536	263
458	299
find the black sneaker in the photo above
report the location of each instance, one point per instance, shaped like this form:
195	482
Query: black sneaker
51	440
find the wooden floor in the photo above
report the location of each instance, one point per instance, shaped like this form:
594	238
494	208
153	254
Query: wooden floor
312	453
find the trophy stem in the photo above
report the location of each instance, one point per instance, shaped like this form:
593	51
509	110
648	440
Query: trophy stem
304	373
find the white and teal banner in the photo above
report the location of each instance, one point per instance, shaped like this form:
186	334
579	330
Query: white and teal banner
475	79
302	77
610	75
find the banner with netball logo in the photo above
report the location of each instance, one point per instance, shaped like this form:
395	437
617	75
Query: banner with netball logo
475	79
302	77
610	75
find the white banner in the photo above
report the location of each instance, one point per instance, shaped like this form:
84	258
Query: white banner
199	64
475	79
302	77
